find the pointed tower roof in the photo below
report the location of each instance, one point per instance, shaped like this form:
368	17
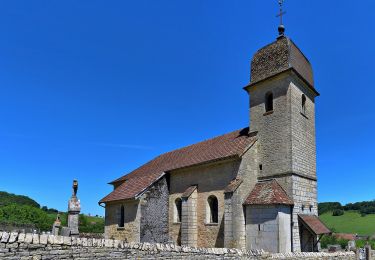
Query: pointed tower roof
277	57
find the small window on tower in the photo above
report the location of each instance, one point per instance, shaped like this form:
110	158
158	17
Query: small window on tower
303	104
269	102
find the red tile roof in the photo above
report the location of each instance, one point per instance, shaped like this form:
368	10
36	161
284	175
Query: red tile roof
314	224
229	145
345	236
233	185
189	191
266	193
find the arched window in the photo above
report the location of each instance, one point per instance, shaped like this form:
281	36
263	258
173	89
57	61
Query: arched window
177	210
269	101
122	216
213	208
303	103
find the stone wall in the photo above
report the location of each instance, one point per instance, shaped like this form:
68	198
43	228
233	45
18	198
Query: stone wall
268	228
131	230
235	234
154	214
305	202
189	230
286	134
274	128
211	179
303	130
14	246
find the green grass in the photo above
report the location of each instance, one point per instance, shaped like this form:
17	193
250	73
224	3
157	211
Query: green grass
88	224
350	222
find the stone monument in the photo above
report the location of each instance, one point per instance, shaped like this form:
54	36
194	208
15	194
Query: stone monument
56	226
74	208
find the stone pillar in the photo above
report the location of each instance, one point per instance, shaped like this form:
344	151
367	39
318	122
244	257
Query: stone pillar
368	251
228	224
74	208
189	231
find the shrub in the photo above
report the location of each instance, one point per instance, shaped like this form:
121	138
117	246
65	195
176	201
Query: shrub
25	215
337	212
361	243
332	240
328	206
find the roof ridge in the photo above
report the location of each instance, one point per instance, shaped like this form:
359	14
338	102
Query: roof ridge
228	145
203	141
181	148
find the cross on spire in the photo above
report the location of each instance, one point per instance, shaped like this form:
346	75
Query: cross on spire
281	13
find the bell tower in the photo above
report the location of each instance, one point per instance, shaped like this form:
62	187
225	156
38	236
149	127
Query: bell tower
282	109
282	112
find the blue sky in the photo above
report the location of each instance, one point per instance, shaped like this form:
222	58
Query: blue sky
93	89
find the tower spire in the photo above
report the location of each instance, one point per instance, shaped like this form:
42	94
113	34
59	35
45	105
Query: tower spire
281	27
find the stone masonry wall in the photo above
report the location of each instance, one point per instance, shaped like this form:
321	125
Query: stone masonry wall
303	130
14	246
131	230
274	131
211	179
268	228
154	214
305	202
234	228
189	232
286	134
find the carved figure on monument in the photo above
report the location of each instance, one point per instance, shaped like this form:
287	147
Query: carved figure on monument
75	188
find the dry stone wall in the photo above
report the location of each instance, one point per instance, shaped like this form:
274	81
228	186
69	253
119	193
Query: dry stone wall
154	214
19	246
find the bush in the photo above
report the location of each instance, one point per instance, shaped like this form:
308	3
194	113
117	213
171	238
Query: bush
361	243
25	215
324	207
337	212
332	240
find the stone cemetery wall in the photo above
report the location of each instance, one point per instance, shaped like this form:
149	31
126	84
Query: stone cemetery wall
33	246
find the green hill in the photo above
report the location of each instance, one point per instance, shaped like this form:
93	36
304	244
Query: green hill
9	198
18	210
350	222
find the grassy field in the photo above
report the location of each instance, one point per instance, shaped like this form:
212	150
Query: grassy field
88	224
350	222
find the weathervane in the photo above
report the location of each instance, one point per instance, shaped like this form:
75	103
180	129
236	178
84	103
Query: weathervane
281	13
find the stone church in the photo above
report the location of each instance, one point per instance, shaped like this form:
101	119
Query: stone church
253	188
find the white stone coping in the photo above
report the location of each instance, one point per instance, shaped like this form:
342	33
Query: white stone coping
9	238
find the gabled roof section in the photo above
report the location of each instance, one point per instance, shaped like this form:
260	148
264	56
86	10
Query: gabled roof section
222	147
233	185
314	224
189	191
268	193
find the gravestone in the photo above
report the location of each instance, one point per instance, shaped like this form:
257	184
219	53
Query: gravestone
351	245
56	226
